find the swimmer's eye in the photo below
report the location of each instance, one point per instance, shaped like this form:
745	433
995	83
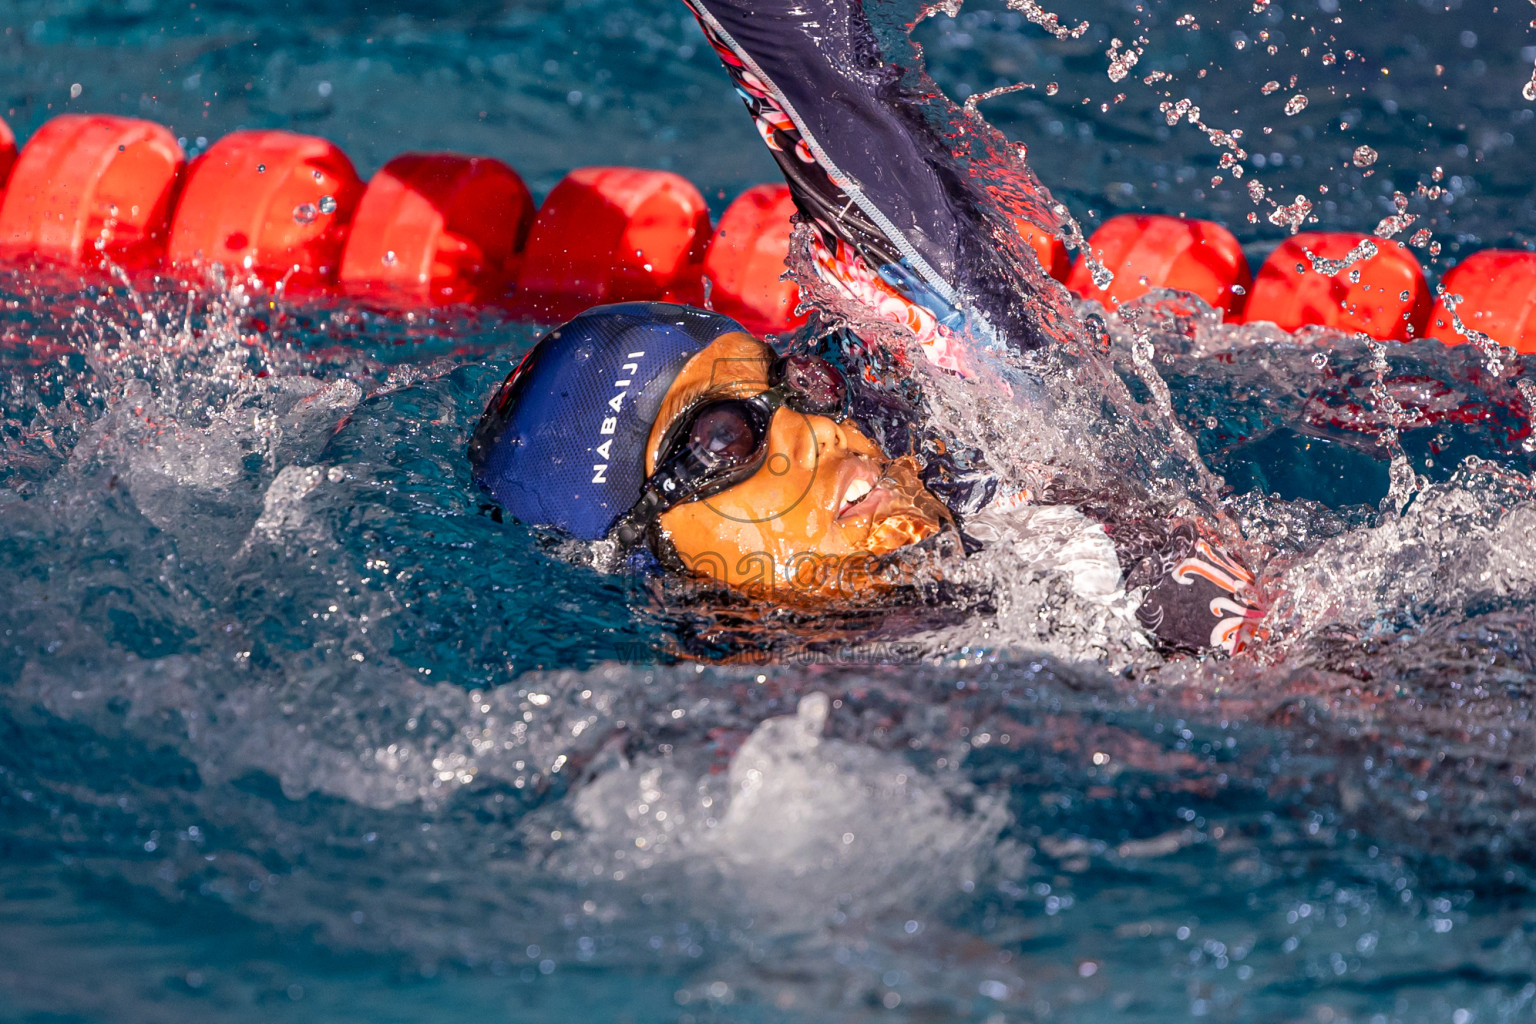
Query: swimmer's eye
725	429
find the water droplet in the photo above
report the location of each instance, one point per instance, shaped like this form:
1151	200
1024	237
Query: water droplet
261	168
1238	289
1292	215
1121	61
1529	90
1051	89
1320	359
1270	87
304	213
389	258
1295	105
1364	156
327	204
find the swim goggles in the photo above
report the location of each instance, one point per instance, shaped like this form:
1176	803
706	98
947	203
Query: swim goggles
722	442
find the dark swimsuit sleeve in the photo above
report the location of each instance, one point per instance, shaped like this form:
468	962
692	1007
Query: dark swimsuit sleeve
864	167
825	103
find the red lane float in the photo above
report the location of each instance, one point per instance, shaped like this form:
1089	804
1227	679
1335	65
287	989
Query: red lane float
274	203
90	185
1498	289
438	227
746	260
1384	296
611	234
442	227
1146	251
7	151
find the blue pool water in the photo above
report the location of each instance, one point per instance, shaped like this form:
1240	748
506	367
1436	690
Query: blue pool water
293	728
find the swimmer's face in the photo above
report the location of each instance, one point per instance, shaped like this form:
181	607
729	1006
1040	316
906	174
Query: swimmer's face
825	503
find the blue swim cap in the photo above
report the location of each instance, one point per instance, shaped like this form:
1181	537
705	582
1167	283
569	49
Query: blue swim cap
563	441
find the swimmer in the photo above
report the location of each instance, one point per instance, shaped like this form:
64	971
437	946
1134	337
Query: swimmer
671	431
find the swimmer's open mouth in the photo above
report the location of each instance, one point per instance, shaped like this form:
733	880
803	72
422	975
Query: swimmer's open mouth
863	492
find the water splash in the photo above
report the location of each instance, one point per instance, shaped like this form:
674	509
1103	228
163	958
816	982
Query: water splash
799	822
1390	225
1138	317
976	98
1403	482
1527	389
1496	356
1365	250
1293	215
1037	15
1121	61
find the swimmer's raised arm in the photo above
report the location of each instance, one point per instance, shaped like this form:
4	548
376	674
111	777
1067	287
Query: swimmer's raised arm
827	106
891	212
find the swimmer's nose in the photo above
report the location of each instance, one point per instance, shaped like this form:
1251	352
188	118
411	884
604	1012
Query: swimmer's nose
812	439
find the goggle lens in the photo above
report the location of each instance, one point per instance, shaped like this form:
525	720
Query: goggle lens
725	430
814	385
